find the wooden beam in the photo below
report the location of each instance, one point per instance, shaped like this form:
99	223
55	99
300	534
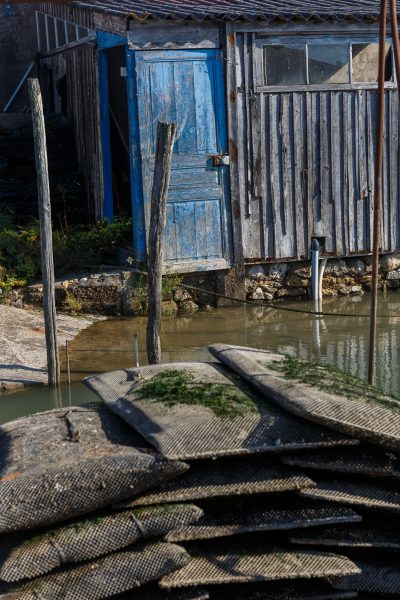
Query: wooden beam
46	239
162	171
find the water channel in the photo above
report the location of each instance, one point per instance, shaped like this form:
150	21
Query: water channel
337	340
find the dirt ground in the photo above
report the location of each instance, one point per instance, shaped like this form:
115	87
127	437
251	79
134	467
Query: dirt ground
23	347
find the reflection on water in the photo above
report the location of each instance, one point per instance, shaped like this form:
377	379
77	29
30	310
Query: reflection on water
338	340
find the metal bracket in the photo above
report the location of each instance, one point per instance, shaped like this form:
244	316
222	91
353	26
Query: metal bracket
219	160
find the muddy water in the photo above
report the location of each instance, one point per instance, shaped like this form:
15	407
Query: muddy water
338	340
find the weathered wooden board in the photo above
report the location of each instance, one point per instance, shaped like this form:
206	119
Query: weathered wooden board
316	157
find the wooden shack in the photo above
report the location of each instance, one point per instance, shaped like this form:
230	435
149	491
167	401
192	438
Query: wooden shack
275	106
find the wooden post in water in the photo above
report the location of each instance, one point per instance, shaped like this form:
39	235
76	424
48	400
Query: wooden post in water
377	191
162	170
46	239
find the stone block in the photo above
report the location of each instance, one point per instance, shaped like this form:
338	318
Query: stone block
336	268
356	289
188	306
294	281
390	262
181	295
169	308
391	275
356	266
257	294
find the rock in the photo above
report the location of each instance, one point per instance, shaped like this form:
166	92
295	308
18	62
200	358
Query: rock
344	290
297	292
292	293
269	287
268	296
394	284
329	292
181	295
250	285
390	262
301	269
393	275
294	281
366	279
258	294
169	308
276	272
256	272
356	289
336	268
356	266
188	306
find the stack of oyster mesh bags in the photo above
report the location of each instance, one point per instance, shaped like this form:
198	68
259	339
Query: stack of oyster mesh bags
252	477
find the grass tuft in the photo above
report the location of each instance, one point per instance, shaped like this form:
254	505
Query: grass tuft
174	387
332	380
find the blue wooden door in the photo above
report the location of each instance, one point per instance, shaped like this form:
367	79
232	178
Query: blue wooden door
187	87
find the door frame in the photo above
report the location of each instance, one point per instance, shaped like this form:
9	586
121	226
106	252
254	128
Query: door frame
138	201
104	41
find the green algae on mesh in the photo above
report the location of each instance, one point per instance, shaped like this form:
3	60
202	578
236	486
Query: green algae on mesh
173	387
333	381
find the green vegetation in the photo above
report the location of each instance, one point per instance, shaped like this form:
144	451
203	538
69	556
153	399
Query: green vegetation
170	283
174	387
333	381
72	305
74	247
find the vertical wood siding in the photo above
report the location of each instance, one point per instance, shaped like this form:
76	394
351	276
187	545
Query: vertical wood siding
307	168
81	68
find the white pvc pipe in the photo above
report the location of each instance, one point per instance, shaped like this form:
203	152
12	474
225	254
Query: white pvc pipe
136	350
314	269
321	276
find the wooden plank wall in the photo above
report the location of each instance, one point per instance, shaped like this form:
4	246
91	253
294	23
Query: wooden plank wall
307	167
81	68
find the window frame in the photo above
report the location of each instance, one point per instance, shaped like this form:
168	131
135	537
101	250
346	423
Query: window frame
263	40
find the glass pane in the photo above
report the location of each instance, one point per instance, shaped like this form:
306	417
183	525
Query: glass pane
365	63
61	32
285	64
328	63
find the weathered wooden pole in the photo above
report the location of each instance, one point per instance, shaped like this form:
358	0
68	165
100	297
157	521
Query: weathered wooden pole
46	239
162	170
377	191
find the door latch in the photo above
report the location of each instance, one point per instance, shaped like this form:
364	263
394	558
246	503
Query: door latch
219	160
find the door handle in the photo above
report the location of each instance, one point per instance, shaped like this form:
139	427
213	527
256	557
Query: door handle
219	160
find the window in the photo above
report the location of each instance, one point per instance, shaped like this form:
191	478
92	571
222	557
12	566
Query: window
365	62
285	64
316	62
55	33
328	63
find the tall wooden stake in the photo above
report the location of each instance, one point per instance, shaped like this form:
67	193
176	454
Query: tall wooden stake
162	170
46	240
377	191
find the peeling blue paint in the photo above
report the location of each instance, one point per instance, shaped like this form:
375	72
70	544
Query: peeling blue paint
186	87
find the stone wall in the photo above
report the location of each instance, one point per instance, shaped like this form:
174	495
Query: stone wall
114	293
18	47
341	278
117	293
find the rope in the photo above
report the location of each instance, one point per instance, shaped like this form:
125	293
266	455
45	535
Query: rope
266	304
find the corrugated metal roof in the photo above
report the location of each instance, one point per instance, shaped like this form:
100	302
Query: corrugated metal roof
238	9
